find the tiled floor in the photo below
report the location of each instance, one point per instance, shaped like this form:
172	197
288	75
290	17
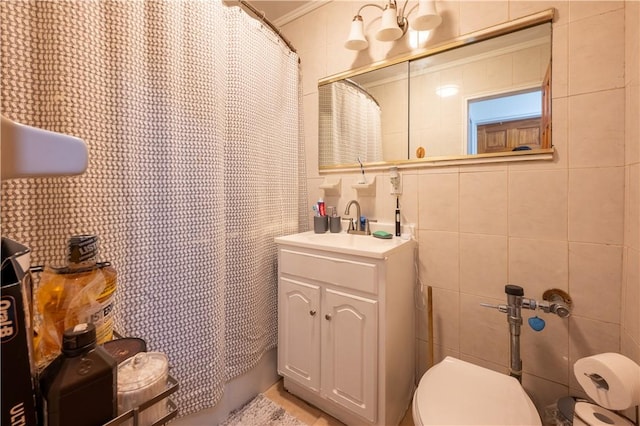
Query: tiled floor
309	414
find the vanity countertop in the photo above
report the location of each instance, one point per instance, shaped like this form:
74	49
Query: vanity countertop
357	245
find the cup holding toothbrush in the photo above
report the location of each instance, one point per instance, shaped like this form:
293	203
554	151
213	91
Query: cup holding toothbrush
320	224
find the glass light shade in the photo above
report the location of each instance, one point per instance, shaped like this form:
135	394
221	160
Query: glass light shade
427	17
356	40
389	29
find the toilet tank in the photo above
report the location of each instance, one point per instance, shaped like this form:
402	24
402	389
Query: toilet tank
456	392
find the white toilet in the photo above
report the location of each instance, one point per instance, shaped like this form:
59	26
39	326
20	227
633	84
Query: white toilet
455	392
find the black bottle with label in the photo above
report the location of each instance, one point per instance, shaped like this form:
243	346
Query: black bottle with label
80	386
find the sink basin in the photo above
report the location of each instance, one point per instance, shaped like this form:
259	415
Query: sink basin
359	245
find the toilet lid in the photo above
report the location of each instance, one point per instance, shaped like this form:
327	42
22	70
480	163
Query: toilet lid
456	392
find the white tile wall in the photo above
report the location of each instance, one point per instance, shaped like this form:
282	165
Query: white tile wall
597	139
630	340
483	202
483	262
438	202
596	269
590	47
596	205
538	204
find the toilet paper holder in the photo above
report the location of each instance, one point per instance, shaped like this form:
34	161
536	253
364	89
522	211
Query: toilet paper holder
612	383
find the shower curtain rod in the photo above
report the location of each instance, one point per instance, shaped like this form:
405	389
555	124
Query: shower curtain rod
362	89
261	15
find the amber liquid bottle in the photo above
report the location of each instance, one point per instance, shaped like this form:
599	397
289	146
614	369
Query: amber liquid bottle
80	386
82	291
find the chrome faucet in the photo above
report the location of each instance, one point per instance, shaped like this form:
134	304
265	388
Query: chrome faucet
555	301
354	227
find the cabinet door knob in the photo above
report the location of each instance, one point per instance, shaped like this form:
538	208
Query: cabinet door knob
312	313
328	317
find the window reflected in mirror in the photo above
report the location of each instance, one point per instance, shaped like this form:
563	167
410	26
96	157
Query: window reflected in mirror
505	122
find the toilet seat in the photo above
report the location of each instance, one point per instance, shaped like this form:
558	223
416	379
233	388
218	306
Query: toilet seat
456	392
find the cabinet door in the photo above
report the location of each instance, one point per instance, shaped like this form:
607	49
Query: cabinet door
349	352
299	332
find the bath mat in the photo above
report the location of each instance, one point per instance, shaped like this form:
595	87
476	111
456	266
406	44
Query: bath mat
261	411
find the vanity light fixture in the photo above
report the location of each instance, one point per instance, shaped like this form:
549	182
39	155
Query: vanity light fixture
394	25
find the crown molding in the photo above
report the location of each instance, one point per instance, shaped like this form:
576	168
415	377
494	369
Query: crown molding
296	13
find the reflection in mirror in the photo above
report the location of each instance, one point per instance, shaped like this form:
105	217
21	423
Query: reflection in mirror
352	127
481	94
481	98
505	122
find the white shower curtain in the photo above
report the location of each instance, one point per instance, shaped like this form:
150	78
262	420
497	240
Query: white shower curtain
350	125
190	113
260	183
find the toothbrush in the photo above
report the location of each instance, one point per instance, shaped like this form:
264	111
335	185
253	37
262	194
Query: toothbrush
398	233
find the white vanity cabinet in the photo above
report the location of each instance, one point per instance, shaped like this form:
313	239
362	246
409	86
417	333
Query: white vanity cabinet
346	324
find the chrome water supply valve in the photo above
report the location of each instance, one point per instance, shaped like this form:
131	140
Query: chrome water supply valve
555	301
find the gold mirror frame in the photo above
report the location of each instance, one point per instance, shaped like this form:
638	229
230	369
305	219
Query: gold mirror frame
545	16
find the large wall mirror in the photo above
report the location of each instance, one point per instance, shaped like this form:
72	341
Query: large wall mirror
482	95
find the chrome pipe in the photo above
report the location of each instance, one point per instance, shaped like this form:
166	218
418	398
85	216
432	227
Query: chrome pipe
514	318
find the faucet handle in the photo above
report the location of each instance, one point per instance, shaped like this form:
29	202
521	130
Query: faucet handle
366	223
352	226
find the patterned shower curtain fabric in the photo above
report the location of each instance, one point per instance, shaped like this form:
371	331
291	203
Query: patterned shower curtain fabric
351	126
194	166
261	155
